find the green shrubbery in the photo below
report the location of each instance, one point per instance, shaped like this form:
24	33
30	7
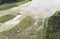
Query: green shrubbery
9	1
6	18
52	26
15	32
6	5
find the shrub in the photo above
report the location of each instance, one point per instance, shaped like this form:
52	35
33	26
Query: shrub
9	1
52	26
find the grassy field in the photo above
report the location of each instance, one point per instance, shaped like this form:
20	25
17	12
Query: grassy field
25	29
13	33
44	28
11	5
6	18
51	28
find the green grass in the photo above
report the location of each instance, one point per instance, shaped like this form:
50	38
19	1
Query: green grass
57	13
44	28
24	29
11	5
12	33
25	23
51	28
6	18
7	6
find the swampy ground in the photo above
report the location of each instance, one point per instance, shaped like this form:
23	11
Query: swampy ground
17	25
27	28
6	6
25	21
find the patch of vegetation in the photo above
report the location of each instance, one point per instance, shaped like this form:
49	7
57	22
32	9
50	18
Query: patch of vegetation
26	22
6	18
15	32
9	1
39	34
11	5
52	27
57	13
44	28
7	6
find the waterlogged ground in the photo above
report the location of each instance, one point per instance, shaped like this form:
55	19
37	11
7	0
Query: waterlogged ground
29	24
21	28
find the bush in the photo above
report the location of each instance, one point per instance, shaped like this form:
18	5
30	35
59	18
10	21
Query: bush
1	1
53	26
9	1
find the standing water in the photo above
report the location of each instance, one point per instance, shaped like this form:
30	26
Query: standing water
37	9
42	8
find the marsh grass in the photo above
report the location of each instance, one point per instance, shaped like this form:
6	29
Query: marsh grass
6	18
11	5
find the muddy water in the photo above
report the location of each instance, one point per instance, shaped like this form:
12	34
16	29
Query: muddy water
43	8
